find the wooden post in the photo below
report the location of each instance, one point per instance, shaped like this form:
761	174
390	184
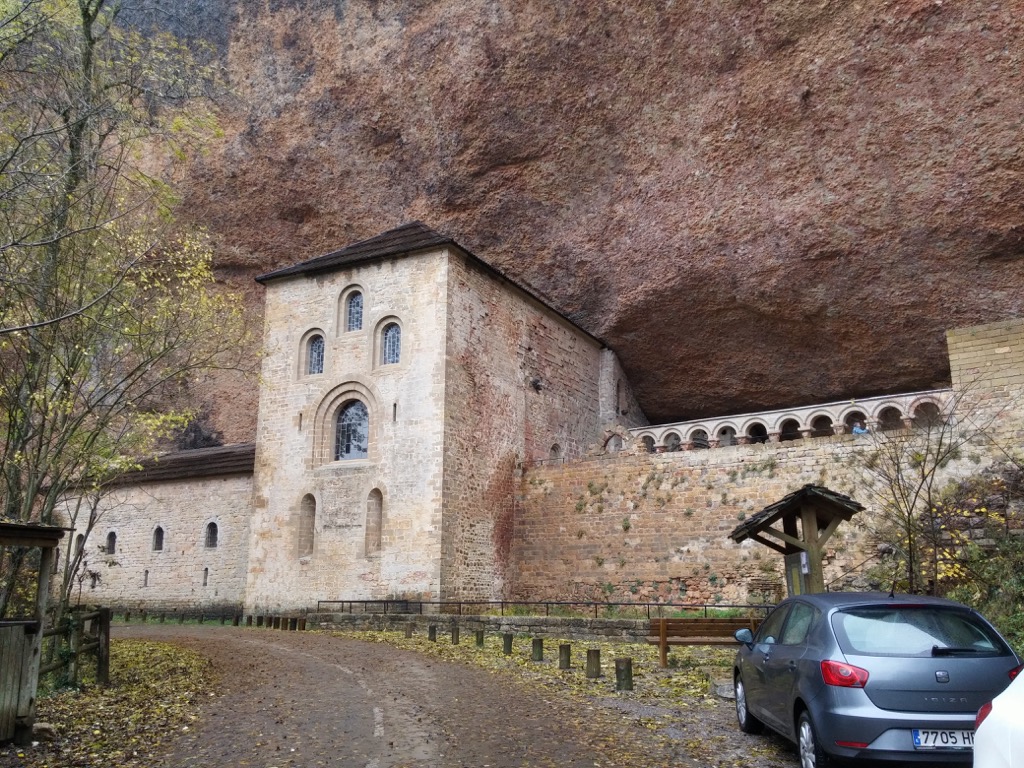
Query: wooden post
163	616
564	656
202	618
248	620
663	643
77	625
293	624
479	638
408	629
455	634
538	649
103	648
432	633
506	643
302	624
181	617
593	663
259	621
236	620
142	615
25	710
127	616
623	674
809	528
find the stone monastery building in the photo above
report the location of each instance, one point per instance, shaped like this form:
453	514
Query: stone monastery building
428	428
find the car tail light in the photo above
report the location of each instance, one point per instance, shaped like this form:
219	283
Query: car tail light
843	675
984	712
1016	671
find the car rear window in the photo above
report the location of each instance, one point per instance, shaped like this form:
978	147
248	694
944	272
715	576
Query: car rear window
915	631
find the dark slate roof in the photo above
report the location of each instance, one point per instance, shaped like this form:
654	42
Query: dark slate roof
200	462
403	240
842	504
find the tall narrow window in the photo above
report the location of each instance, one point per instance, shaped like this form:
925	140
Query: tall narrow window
211	536
374	521
206	576
315	355
145	578
352	434
391	344
354	312
158	539
111	543
307	525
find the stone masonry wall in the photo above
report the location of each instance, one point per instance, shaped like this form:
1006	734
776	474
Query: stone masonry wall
294	456
171	578
987	368
520	381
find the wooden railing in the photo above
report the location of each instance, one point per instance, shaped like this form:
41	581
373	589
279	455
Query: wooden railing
78	635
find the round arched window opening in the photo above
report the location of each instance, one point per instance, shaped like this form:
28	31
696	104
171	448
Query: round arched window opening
391	344
927	416
111	548
789	430
889	419
555	453
352	432
822	427
315	355
726	437
672	442
699	439
853	418
354	312
158	539
211	536
757	433
648	442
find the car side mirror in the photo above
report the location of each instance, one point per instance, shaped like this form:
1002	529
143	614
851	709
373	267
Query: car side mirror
744	636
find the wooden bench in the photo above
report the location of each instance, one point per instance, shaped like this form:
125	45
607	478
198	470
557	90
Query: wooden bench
706	631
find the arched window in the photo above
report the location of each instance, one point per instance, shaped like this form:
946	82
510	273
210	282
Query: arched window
145	578
699	438
790	430
822	427
757	433
352	432
390	344
206	576
374	521
726	437
211	536
890	418
111	543
354	312
307	525
853	418
672	442
79	543
556	452
315	355
648	443
158	539
927	415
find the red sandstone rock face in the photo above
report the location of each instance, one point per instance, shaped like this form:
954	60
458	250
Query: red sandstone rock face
754	204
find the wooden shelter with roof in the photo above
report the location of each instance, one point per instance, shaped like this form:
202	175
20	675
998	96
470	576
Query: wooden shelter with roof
21	637
819	512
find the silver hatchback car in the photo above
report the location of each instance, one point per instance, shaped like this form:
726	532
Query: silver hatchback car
871	675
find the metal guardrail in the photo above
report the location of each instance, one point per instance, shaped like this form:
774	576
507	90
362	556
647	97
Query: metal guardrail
536	608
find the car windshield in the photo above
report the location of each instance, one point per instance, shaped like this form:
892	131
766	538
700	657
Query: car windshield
914	631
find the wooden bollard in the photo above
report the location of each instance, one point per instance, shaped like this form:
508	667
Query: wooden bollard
593	663
302	625
181	617
432	633
408	629
455	635
293	624
202	618
506	643
142	617
259	621
236	620
127	617
223	618
624	674
479	638
538	649
162	617
248	620
277	622
564	656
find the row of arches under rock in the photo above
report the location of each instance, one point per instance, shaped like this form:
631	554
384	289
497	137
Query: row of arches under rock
890	418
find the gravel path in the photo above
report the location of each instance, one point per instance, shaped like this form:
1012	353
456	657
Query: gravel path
311	699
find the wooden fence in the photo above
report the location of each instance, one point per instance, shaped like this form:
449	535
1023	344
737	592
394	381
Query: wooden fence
79	636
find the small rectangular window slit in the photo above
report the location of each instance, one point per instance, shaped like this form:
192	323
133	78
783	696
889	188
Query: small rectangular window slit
300	422
394	411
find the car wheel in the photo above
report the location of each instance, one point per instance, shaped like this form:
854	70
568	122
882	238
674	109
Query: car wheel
811	753
748	723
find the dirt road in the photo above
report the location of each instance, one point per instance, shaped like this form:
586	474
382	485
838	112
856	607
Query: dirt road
311	699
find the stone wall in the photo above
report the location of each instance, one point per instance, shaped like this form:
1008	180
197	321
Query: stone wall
173	577
294	458
522	383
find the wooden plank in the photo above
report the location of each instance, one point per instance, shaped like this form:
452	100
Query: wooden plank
12	641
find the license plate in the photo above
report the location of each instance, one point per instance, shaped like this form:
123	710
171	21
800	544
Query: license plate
943	739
